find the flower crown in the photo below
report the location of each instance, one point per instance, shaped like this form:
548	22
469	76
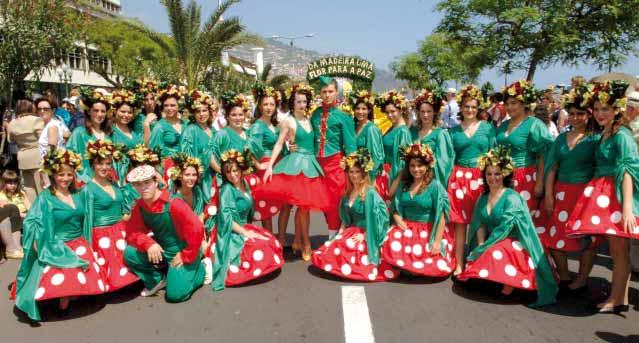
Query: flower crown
434	97
104	149
197	99
92	96
575	98
470	92
361	157
124	96
392	97
170	90
142	155
181	162
233	99
420	151
609	92
260	90
521	90
142	86
362	96
243	160
56	158
497	157
300	88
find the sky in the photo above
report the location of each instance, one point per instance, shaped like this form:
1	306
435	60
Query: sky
378	30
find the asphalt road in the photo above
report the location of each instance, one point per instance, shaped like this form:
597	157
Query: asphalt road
302	304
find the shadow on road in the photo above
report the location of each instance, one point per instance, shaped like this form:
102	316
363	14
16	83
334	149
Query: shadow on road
612	337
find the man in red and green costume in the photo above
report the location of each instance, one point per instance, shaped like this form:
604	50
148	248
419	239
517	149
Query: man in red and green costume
334	138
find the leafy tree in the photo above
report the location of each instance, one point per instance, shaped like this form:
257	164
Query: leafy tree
277	81
410	68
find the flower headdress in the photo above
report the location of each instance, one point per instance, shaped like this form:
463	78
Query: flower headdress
392	97
56	158
124	96
362	96
170	90
575	98
361	157
420	151
232	99
497	157
104	149
142	155
521	90
142	86
433	97
470	92
260	90
303	89
609	92
243	160
92	96
181	162
197	98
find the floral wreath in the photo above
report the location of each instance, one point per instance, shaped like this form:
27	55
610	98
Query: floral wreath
392	97
92	96
361	157
575	98
434	97
420	151
521	90
243	160
304	89
362	96
497	157
261	91
142	155
232	99
470	92
124	96
104	149
609	92
56	158
142	86
181	162
197	98
170	90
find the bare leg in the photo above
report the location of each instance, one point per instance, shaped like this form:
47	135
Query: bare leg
586	262
507	290
268	224
7	236
297	240
561	260
282	223
460	241
619	251
304	222
64	303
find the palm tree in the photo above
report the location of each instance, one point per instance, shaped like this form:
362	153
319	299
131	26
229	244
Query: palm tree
277	82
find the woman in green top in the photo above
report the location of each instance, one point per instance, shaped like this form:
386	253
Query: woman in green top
104	203
144	121
369	136
354	253
429	131
609	204
528	138
243	252
471	139
58	260
197	139
124	103
96	126
167	132
420	242
503	243
395	106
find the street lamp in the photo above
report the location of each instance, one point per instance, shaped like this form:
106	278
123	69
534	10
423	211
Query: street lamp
65	73
292	39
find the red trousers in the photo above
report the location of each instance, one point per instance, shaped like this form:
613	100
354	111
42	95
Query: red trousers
335	182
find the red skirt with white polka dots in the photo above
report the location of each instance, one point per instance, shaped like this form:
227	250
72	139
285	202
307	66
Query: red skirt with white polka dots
598	211
349	260
382	183
108	249
524	184
167	163
410	251
67	282
298	190
554	233
465	186
264	208
506	262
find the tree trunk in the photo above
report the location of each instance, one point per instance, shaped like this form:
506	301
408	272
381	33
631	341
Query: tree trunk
532	68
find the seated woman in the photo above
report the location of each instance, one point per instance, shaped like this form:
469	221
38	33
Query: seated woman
420	242
354	252
13	201
58	262
104	203
504	246
176	239
243	251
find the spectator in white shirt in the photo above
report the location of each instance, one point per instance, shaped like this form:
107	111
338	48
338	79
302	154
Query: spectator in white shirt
451	110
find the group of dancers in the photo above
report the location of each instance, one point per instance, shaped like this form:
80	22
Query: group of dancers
169	200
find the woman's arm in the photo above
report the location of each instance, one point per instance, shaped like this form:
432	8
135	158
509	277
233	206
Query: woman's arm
481	235
277	149
629	221
441	227
52	136
549	198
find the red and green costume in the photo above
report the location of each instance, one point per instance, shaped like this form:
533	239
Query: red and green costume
370	138
440	142
393	164
197	143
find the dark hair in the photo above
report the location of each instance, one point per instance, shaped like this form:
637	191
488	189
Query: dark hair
499	97
24	106
155	106
51	101
291	100
97	159
407	178
209	121
545	116
258	111
371	109
72	186
404	112
178	183
507	181
104	126
460	115
10	176
436	115
167	96
226	168
592	123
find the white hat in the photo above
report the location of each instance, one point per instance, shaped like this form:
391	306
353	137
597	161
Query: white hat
141	173
451	90
633	99
73	100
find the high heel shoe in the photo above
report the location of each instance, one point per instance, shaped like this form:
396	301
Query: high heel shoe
296	248
617	309
307	253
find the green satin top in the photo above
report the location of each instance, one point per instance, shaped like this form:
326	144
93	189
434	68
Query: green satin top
530	140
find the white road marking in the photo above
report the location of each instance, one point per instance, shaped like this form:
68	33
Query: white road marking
357	321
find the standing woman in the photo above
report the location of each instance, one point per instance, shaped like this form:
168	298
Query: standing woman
124	103
145	120
528	138
58	261
104	203
420	242
54	132
354	253
243	252
96	126
368	135
504	246
395	106
609	204
197	139
471	139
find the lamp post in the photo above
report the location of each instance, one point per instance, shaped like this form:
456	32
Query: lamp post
292	39
64	73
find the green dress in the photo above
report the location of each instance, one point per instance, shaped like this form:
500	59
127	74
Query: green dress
573	166
370	137
165	138
334	133
303	160
137	125
510	219
129	142
442	145
227	139
469	149
102	209
264	139
129	197
529	141
198	206
392	141
77	143
195	142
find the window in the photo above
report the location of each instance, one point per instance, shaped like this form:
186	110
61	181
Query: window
97	62
75	59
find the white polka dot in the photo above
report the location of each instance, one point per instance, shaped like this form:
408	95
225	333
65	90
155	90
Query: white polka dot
252	181
562	216
101	261
417	250
274	209
459	173
429	261
576	225
234	269
95	254
257	215
560	196
277	259
553	231
515	183
400	263
459	194
397	234
389	274
81	278
453	185
46	269
540	229
212	210
611	232
427	247
277	243
213	248
535	176
418	264
96	267
474	185
407	249
468	175
360	247
588	191
246	265
510	270
423	234
615	217
213	190
80	250
536	214
350	243
261	203
352	259
338	236
120	244
560	244
364	260
101	285
595	220
528	178
464	215
39	293
396	246
327	243
123	271
603	201
408	233
346	269
258	255
525	195
442	265
517	246
531	264
104	242
57	279
336	251
525	283
328	268
483	273
497	255
257	272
